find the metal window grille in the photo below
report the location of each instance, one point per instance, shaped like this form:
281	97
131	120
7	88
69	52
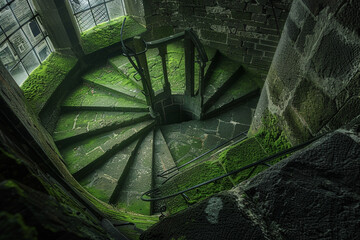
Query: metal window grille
24	43
89	13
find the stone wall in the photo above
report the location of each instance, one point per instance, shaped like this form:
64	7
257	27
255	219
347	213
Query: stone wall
314	194
313	83
246	29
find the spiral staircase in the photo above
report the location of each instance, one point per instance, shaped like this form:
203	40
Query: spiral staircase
115	145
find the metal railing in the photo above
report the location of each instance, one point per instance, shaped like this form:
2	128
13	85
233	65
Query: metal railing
191	42
176	169
155	194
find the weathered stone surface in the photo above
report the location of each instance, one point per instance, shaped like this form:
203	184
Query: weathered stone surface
314	72
215	218
313	105
314	194
139	179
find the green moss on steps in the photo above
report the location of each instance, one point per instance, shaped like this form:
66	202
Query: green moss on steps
78	155
79	123
268	141
176	67
192	177
109	78
108	33
44	80
87	96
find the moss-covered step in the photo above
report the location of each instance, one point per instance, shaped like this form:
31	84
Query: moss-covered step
108	33
162	162
268	141
92	98
176	67
124	67
103	181
108	78
45	79
76	126
242	89
190	139
220	77
83	157
211	53
191	177
139	179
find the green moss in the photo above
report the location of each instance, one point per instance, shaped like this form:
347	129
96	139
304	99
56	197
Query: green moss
268	141
108	33
13	227
44	80
176	67
194	176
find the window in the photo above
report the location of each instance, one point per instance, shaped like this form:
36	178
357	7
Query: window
23	41
89	13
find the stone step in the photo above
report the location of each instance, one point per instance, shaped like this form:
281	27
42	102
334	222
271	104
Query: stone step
239	91
87	97
211	54
108	78
176	67
124	67
221	74
103	181
83	157
191	177
139	179
190	139
162	162
77	126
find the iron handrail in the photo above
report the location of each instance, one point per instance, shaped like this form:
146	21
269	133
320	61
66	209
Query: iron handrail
178	36
255	164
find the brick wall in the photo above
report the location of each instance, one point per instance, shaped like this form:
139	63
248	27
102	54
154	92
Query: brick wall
245	29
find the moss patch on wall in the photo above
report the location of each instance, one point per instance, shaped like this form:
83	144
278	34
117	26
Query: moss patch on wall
108	33
44	80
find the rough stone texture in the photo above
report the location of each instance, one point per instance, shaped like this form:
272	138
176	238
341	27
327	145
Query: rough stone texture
314	194
313	79
245	28
139	179
216	218
188	140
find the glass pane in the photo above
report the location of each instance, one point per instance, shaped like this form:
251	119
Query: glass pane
7	21
39	23
79	5
33	32
43	50
115	9
30	62
100	14
20	43
19	74
50	44
8	56
21	10
95	2
85	20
